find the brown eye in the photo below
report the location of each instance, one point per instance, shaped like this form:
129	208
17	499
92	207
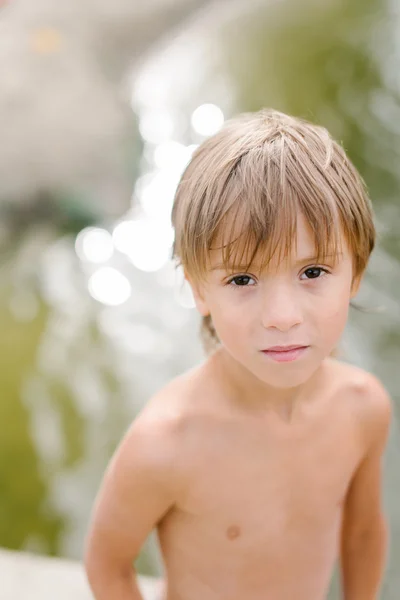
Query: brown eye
314	272
240	280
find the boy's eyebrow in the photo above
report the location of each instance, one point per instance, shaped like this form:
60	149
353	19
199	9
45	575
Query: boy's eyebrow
221	266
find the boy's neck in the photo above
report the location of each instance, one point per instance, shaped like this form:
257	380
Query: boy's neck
250	394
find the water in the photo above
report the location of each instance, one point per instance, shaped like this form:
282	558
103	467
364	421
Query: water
75	372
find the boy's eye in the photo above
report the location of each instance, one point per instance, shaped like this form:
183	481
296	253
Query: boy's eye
240	281
314	272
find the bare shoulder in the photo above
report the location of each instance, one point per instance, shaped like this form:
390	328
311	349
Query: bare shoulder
182	400
363	387
159	433
365	395
155	434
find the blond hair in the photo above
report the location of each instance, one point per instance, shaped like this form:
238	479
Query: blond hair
246	184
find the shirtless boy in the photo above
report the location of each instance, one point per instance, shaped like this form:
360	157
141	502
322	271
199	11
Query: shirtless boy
262	465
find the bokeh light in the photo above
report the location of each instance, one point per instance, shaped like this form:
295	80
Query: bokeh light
207	119
146	242
109	286
94	244
170	154
156	198
156	126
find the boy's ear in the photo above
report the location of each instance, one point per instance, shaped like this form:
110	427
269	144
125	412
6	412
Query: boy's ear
355	286
198	295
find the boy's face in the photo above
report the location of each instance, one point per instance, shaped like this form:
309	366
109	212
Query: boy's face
298	302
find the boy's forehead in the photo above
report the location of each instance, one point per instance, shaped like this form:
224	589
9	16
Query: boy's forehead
243	251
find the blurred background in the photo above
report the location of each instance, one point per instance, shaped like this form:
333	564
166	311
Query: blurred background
101	105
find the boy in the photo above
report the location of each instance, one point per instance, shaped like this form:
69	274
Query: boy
261	465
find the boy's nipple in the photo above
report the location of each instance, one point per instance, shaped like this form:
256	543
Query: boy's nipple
233	532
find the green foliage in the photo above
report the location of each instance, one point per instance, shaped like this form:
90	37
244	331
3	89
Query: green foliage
23	491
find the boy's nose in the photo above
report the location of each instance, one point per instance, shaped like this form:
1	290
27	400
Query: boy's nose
281	311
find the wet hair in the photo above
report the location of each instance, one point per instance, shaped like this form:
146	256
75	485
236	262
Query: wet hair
245	186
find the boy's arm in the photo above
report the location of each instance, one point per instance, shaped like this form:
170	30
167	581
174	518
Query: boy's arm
364	533
140	485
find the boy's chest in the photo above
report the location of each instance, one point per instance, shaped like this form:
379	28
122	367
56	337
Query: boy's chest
248	485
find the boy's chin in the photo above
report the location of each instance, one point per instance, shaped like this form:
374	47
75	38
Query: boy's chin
284	382
290	376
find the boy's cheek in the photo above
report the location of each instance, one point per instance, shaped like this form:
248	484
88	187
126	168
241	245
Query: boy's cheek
233	327
333	322
224	317
333	309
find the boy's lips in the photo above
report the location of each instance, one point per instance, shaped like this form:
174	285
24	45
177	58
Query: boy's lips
284	348
285	353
